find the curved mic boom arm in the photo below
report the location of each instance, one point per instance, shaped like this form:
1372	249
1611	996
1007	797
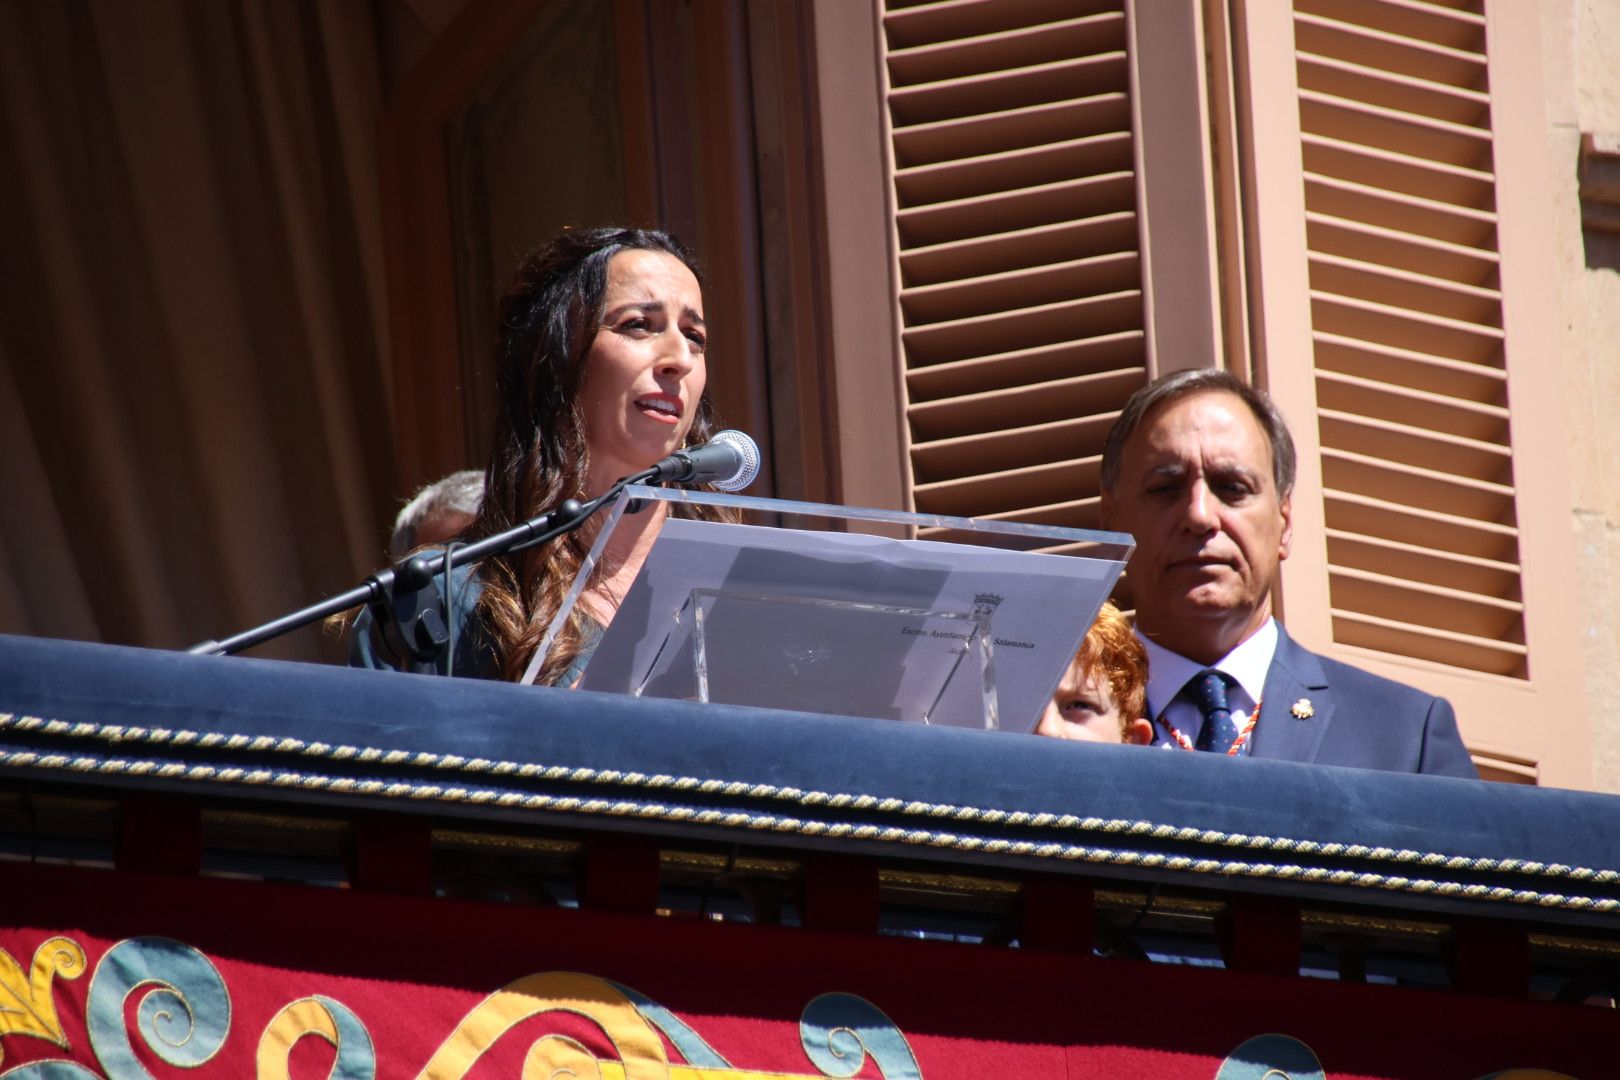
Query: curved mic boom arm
406	603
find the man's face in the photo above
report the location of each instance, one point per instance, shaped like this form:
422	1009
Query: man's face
1196	491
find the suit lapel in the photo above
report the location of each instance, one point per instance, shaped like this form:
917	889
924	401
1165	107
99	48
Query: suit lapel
1295	675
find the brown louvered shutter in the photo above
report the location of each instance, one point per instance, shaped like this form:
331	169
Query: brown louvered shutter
1015	194
1406	311
1419	305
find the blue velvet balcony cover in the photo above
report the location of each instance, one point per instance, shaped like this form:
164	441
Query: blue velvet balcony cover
120	718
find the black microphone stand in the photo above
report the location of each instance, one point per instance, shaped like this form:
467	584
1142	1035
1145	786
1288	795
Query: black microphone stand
407	606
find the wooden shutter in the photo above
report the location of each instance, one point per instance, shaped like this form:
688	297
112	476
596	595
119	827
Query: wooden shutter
1016	233
1429	493
1406	313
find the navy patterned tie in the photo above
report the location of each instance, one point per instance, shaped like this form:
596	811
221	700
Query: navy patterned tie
1208	689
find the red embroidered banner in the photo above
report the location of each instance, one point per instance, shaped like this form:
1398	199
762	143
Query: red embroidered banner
119	976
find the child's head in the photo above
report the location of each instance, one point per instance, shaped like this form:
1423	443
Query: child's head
1103	695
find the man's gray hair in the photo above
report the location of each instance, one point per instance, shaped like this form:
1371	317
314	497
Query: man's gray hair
459	493
1180	384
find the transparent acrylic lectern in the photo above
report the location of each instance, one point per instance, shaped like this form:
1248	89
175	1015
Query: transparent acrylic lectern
847	610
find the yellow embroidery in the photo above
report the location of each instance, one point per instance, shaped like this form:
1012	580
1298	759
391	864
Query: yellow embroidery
558	1056
27	1006
638	1044
321	1016
305	1016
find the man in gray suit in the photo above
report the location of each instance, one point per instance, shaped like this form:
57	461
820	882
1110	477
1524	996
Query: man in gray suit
1199	468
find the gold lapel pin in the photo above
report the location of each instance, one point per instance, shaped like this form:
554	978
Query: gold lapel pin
1303	709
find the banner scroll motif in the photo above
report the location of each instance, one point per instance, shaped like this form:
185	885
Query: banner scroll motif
183	1012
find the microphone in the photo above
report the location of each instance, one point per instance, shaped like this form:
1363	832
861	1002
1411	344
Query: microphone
727	462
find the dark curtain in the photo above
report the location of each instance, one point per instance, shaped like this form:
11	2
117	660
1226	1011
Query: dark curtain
194	399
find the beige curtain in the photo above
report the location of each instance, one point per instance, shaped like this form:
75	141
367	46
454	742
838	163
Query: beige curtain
194	404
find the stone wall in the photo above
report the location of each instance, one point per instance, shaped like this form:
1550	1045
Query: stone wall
1580	48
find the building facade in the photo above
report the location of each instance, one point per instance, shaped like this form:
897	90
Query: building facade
945	242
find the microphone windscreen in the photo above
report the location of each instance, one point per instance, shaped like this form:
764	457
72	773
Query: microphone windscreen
748	464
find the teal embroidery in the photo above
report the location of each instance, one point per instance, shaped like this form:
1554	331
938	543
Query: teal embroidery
356	1055
184	1012
49	1070
1271	1057
689	1043
839	1031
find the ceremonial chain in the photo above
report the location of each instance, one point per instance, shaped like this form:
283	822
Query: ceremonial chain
1238	743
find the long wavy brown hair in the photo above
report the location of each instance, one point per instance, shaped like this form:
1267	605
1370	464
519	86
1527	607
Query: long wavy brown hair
548	319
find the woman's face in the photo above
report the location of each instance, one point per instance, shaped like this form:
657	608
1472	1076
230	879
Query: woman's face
644	372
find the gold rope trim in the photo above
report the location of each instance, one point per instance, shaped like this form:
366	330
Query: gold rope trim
759	822
116	734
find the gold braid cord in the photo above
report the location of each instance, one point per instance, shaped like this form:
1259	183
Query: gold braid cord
933	835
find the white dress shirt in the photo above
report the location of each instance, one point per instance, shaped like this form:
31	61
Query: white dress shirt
1168	672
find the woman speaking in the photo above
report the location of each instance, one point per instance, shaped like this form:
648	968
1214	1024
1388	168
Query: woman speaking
602	373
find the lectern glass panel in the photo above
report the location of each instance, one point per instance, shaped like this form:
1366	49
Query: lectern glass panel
973	629
821	655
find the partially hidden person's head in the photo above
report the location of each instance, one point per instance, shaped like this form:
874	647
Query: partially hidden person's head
601	367
1103	695
437	513
1199	469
